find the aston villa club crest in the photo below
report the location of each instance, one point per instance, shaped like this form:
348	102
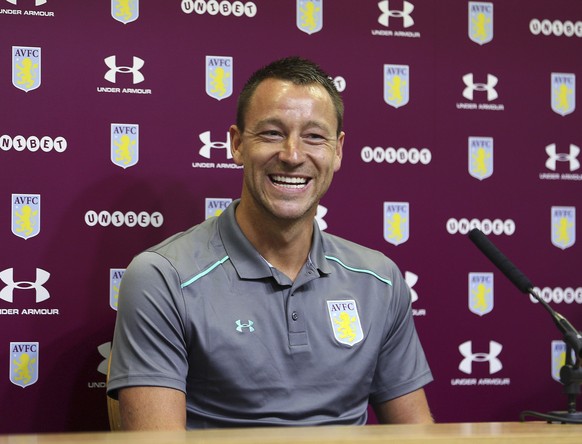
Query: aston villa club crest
396	85
124	144
563	227
563	93
558	358
481	293
396	222
125	11
309	16
24	363
481	157
26	67
219	73
480	22
215	207
25	215
345	321
115	275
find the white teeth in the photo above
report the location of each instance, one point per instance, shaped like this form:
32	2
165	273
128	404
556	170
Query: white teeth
293	182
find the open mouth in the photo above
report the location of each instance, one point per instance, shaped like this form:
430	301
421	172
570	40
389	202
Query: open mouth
289	182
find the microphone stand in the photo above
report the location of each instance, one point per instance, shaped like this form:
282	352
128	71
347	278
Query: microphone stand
570	373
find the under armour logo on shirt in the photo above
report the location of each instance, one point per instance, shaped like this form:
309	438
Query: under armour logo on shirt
240	326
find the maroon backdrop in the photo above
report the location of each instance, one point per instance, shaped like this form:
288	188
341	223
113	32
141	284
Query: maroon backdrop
113	128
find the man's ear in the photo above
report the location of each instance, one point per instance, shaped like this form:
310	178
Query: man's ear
339	151
235	144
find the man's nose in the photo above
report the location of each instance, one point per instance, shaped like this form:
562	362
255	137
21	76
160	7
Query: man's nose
292	151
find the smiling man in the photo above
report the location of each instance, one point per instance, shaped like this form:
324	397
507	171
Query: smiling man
289	144
256	317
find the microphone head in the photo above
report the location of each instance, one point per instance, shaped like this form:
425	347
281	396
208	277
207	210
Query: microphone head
475	233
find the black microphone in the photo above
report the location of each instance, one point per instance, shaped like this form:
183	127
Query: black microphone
571	335
500	261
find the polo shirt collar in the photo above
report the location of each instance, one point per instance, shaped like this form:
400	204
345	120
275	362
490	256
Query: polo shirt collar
247	261
317	253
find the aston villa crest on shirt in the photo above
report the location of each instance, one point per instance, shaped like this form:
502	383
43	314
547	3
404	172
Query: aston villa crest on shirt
24	363
26	67
563	93
345	321
309	16
563	227
396	85
396	222
125	11
481	157
25	215
124	144
481	293
219	73
481	22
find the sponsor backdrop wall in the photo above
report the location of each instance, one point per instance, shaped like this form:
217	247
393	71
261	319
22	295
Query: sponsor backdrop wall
460	114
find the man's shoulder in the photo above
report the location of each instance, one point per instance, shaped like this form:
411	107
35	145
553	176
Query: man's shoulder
182	242
188	250
354	255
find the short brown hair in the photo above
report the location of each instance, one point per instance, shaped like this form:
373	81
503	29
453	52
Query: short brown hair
297	70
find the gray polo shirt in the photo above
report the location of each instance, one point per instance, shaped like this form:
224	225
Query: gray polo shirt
204	313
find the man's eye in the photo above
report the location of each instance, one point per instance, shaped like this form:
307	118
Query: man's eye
271	134
315	138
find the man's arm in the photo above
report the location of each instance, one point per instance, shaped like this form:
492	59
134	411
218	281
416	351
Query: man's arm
411	408
152	408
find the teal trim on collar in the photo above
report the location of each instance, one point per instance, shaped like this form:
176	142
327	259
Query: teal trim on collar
245	258
359	270
204	272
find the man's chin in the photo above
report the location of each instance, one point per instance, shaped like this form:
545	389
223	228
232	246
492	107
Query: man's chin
292	212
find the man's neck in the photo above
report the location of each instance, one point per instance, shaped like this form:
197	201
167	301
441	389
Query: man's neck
284	244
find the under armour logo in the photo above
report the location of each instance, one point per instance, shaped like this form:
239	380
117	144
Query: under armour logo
571	157
114	69
36	2
7	293
407	20
411	279
209	144
104	350
320	214
240	326
466	349
471	87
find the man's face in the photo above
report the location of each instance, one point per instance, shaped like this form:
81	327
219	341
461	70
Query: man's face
289	149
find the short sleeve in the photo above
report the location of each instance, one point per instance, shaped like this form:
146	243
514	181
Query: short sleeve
149	345
402	366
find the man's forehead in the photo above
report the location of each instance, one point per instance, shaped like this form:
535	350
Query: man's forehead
272	95
279	86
